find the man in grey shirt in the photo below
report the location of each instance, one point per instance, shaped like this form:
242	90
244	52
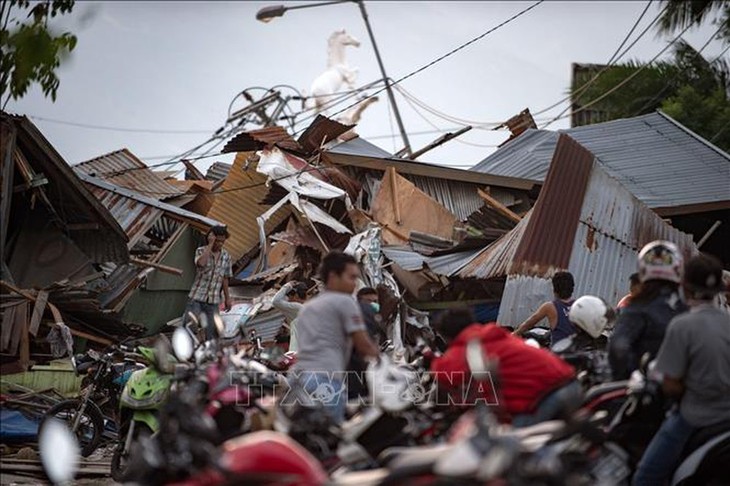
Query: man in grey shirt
328	327
695	361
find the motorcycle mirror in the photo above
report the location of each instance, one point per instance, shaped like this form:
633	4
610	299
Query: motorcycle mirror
478	365
182	344
59	452
563	345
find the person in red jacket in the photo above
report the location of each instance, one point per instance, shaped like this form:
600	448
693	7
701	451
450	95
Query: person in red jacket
535	385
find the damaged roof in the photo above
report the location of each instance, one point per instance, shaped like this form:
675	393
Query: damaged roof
584	221
358	154
90	224
136	212
123	168
657	159
254	140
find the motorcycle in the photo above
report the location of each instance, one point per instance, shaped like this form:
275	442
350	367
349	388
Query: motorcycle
142	397
106	376
706	454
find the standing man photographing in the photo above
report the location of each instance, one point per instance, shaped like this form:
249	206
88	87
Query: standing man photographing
213	269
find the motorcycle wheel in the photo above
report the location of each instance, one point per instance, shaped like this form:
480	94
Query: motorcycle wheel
121	467
91	423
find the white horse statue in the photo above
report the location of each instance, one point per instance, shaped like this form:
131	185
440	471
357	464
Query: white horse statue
338	72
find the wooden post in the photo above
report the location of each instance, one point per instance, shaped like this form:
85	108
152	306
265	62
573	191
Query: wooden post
158	266
394	190
501	208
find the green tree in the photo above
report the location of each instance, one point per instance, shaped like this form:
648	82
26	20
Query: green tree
31	50
689	88
682	13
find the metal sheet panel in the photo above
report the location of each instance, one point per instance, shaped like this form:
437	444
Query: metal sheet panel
238	209
321	131
496	259
458	197
218	171
136	218
266	324
656	158
549	236
257	139
124	169
522	296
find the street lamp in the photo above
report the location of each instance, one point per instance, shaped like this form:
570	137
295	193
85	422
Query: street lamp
267	14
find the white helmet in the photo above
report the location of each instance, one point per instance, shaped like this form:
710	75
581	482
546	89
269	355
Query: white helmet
591	314
660	260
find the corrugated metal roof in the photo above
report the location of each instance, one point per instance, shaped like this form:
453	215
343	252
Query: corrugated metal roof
460	198
136	212
218	171
123	168
238	209
548	238
266	324
657	159
447	265
496	259
254	140
612	226
359	146
321	131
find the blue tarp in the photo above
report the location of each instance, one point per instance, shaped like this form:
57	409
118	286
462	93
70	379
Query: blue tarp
16	427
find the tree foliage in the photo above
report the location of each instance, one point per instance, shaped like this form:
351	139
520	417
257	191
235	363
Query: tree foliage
31	50
682	13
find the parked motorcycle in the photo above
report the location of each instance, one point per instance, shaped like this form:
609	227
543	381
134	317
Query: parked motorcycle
106	376
142	397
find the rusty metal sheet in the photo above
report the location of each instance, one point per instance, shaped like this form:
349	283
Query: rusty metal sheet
238	209
496	259
255	140
123	168
321	131
548	239
218	171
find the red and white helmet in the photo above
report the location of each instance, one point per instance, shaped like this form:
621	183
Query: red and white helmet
660	260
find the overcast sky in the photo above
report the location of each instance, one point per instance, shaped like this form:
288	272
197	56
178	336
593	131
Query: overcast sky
178	65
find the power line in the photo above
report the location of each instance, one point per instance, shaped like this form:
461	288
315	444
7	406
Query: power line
621	84
441	58
115	129
674	78
610	62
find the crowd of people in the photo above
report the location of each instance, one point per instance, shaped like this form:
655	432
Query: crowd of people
670	314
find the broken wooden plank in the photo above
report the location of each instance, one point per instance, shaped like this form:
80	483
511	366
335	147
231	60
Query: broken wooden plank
394	189
38	310
158	266
504	210
21	316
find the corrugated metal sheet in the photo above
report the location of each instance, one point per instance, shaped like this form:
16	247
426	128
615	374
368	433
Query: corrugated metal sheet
359	146
657	159
123	168
549	237
321	131
136	218
238	209
459	198
218	171
496	259
127	199
257	139
412	261
486	218
613	225
266	324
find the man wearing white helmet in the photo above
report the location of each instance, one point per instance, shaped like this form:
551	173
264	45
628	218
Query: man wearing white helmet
590	315
641	325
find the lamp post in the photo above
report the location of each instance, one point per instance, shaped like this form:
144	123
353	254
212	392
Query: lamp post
267	14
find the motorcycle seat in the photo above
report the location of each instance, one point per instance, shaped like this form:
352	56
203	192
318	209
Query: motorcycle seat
705	434
399	457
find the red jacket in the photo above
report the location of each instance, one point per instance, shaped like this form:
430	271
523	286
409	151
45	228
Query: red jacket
526	374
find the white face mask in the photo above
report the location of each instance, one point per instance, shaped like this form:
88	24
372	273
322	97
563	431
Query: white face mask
375	306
